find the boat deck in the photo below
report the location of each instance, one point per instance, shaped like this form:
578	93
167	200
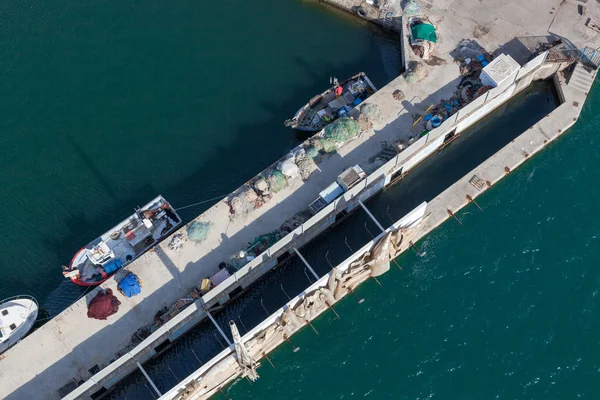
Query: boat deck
70	347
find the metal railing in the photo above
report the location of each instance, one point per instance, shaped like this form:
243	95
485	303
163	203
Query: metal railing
590	57
560	50
538	44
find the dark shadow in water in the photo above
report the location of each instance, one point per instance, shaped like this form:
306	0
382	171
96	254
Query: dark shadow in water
91	166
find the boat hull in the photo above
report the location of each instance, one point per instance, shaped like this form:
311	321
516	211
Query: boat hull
21	305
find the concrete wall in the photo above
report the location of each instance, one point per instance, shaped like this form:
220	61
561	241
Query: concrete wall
532	65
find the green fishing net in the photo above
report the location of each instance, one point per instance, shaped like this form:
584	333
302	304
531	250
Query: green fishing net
198	231
342	130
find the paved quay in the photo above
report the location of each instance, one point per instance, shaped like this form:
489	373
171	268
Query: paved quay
66	348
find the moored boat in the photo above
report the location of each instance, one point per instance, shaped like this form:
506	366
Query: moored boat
121	245
17	316
332	104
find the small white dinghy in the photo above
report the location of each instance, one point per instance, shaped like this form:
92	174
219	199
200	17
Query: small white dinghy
17	316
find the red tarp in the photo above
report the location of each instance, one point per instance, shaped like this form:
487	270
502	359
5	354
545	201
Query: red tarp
103	305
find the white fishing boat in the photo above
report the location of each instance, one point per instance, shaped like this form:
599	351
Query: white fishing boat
332	104
17	316
132	237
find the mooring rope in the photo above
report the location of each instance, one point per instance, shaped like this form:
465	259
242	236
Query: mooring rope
201	202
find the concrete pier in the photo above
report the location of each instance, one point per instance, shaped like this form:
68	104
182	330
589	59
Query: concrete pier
71	348
223	369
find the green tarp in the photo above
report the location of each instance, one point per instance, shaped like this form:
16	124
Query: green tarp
424	32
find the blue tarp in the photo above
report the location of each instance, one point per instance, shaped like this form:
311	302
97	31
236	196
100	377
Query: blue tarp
112	266
130	285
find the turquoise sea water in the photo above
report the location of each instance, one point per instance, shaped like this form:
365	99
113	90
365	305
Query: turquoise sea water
106	104
506	306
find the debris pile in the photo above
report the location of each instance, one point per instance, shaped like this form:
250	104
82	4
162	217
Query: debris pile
177	241
471	58
295	221
387	152
467	49
368	114
410	8
263	242
165	314
276	180
262	188
307	166
325	145
244	200
288	168
311	152
371	111
542	47
415	71
471	62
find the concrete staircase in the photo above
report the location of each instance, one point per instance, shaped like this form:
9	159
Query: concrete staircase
388	153
582	78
